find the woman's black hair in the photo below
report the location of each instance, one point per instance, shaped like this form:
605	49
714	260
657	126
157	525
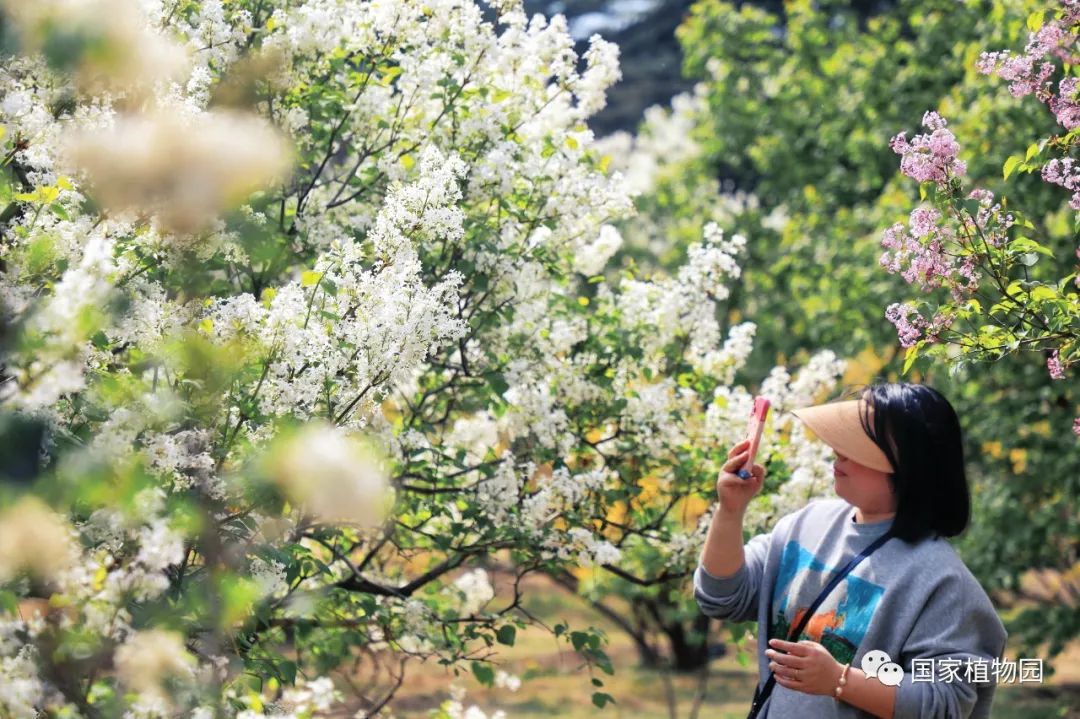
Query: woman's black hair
919	432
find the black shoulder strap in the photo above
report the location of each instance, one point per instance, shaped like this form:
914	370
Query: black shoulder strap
761	694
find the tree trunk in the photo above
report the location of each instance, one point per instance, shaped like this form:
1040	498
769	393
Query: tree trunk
689	649
689	645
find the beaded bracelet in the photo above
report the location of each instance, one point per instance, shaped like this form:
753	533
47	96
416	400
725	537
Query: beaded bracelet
843	680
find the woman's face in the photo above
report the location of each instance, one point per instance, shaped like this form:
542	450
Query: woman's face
862	486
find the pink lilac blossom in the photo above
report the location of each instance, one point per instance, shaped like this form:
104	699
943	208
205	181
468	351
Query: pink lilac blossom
1076	426
908	329
1065	173
1019	70
1064	105
1029	73
920	256
930	156
989	218
923	221
1055	367
968	272
912	326
1071	11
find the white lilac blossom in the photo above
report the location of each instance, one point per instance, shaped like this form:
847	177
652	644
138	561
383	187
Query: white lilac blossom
148	658
476	591
139	59
269	577
185	170
21	689
664	139
454	707
332	475
592	258
421	280
34	539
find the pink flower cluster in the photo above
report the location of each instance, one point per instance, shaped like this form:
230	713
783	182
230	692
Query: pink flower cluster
1053	364
1076	426
930	156
912	326
1020	70
1066	173
989	219
1029	73
1064	105
919	255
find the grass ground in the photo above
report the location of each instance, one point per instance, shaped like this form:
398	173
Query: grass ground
555	683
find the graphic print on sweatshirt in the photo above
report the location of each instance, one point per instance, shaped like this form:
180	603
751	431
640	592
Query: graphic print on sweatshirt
840	622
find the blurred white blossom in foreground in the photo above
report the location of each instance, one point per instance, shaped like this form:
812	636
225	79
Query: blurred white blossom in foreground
332	474
187	170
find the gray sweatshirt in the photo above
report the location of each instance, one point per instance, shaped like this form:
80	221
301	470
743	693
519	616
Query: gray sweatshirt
912	601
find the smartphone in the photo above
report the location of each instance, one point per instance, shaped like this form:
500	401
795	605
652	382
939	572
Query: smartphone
753	433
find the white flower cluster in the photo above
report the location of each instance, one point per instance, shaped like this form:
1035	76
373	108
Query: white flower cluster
664	140
686	304
592	258
454	707
21	689
376	324
590	551
331	474
475	590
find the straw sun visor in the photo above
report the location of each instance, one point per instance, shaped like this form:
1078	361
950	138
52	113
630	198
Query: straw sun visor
837	424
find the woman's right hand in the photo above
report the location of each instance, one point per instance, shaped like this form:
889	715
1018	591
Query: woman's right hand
733	491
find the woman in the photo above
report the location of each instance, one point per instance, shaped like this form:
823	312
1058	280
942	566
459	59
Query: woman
899	473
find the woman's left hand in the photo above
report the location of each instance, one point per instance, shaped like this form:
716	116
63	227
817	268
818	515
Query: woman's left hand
807	667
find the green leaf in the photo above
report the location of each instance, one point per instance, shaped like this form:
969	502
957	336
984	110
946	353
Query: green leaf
1041	293
1026	244
597	682
1010	165
288	671
484	673
309	278
910	355
1035	20
1032	151
507	634
601	699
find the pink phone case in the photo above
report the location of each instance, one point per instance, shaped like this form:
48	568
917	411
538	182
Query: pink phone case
757	424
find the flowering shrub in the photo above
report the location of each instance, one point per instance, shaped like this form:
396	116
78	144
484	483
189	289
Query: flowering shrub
288	414
1003	297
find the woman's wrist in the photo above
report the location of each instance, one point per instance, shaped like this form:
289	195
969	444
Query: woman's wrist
841	680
